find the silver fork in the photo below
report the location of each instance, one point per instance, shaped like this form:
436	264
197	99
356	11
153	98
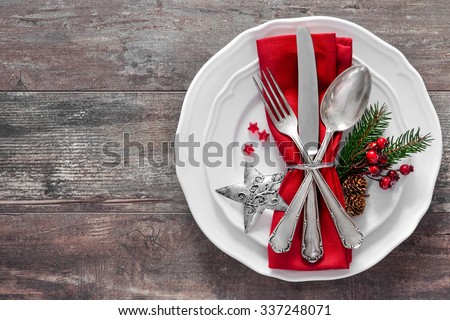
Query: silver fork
285	121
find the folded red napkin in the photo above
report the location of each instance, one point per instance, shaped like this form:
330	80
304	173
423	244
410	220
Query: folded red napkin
333	55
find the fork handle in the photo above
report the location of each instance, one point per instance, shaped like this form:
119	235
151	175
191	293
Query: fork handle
281	237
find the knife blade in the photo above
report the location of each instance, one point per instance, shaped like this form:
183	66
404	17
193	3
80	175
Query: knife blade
308	96
308	129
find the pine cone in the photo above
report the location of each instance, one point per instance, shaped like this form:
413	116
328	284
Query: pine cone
355	185
355	204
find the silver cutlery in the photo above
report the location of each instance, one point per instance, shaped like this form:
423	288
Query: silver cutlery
351	89
308	129
342	106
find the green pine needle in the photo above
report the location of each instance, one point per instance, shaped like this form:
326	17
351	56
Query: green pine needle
406	144
371	126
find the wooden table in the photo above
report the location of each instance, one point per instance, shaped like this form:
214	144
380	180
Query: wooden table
78	74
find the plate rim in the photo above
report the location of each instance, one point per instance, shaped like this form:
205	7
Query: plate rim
418	81
226	92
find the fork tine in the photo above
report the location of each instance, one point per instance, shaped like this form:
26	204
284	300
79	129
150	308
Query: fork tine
269	111
269	97
287	105
278	105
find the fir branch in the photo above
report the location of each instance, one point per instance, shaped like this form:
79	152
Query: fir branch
406	144
372	124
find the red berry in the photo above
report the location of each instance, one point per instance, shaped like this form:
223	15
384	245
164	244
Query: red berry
383	159
382	143
373	146
374	170
385	183
405	169
372	156
393	175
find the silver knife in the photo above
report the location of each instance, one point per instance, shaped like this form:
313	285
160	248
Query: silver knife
308	121
308	129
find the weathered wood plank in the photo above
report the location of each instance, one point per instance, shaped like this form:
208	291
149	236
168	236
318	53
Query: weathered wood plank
160	45
441	196
51	150
155	256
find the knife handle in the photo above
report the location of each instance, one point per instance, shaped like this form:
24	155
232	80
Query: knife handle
312	249
349	233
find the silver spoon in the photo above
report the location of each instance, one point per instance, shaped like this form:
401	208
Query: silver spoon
343	104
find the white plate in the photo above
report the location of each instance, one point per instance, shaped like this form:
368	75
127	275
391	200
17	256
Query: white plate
383	59
237	104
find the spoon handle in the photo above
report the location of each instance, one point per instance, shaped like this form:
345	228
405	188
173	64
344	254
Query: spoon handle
281	237
349	233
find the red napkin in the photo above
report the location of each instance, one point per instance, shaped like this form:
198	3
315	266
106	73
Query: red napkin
333	55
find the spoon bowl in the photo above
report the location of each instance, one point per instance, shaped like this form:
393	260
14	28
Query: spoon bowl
342	106
346	98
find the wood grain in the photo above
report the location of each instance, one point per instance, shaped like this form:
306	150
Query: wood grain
155	255
160	45
167	257
76	75
52	148
52	159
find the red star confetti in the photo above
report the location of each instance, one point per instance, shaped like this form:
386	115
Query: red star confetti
248	149
263	135
253	127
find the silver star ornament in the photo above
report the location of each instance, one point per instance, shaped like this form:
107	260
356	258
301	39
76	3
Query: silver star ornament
257	193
